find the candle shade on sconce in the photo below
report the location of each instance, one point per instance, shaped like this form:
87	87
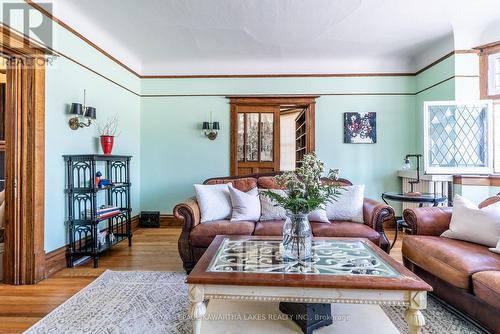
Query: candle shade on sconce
81	113
211	129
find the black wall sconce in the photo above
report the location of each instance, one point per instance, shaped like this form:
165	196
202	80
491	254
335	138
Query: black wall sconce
81	111
211	129
407	166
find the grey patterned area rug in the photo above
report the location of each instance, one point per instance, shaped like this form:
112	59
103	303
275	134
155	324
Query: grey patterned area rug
127	302
123	302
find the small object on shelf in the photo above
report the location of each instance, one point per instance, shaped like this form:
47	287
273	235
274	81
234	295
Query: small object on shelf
150	219
111	237
101	238
104	183
98	178
107	133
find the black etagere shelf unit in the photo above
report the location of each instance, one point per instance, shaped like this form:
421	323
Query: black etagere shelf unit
90	233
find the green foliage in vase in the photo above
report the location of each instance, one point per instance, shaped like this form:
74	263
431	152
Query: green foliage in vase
304	187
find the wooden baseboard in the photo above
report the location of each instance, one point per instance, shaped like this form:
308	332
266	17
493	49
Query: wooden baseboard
57	259
169	221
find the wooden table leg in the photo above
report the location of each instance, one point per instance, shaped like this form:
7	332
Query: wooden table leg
413	315
198	308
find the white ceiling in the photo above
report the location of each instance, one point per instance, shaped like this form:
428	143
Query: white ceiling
189	37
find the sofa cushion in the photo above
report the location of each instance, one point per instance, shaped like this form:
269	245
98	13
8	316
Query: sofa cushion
469	223
269	227
487	287
345	229
268	182
242	184
203	234
451	260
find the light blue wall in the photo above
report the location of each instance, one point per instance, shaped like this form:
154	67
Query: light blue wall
175	154
163	132
109	99
440	78
65	81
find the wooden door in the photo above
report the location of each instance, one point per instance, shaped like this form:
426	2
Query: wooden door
255	139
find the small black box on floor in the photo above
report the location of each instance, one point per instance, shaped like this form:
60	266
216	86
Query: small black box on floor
150	219
308	316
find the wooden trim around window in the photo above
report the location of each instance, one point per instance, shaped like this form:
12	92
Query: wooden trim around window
484	52
308	101
486	180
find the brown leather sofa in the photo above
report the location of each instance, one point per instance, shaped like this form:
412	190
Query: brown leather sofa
196	237
463	274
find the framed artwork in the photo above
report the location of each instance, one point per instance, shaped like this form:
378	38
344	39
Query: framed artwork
360	127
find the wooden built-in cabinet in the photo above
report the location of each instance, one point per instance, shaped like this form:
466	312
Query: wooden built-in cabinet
255	131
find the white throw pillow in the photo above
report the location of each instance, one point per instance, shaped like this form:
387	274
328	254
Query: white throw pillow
469	223
348	205
214	201
318	215
246	205
269	210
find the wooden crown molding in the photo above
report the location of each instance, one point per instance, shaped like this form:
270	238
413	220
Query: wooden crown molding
222	76
273	99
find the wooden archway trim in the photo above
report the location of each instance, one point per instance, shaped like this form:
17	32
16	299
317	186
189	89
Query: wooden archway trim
25	159
279	100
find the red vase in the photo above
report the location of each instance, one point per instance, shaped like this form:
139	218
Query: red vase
107	144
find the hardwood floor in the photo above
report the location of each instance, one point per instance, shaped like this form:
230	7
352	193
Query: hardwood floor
152	249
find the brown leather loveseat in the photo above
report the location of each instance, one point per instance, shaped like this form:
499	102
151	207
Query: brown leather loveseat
196	237
464	274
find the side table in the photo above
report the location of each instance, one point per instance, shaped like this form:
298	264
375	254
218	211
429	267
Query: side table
422	198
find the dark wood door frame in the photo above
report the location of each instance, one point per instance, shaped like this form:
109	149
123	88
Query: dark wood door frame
308	101
25	159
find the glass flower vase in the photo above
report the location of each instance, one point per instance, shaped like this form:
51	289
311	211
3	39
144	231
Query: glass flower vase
297	238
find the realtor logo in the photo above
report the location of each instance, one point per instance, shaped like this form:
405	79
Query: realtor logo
30	22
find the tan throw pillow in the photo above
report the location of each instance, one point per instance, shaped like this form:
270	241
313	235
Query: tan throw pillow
348	205
270	210
246	205
469	223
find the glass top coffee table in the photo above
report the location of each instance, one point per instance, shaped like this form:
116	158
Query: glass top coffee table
342	270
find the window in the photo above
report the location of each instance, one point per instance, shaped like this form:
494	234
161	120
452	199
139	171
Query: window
494	74
458	137
496	127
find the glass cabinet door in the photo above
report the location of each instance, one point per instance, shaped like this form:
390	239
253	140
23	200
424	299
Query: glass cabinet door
255	137
256	134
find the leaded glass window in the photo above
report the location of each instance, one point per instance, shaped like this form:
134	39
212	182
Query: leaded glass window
458	137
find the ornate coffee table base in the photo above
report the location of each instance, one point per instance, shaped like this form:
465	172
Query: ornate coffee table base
415	301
